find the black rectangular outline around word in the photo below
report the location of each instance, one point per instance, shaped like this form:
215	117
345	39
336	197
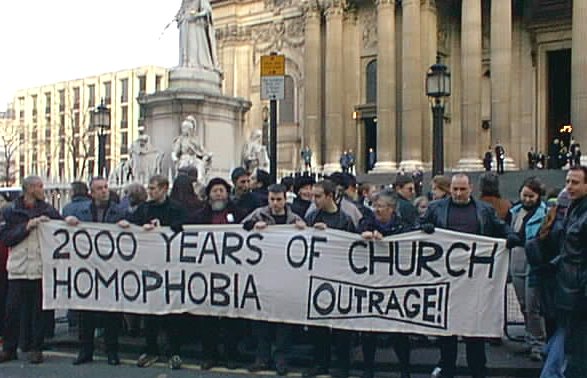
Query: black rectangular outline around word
444	326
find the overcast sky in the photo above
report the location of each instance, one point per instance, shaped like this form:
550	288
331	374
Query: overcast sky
46	41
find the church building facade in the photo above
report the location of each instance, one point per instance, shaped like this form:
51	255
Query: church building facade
355	76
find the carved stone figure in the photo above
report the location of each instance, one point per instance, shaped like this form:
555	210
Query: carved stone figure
197	39
145	160
187	152
254	154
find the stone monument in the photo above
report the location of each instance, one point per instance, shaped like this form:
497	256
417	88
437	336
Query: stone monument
254	154
187	152
195	90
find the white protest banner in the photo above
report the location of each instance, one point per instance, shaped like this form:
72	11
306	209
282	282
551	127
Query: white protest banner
445	283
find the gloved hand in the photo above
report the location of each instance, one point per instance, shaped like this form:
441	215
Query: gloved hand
427	228
513	240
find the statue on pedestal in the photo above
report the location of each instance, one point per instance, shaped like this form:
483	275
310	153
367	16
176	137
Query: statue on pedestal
197	39
145	160
254	154
187	151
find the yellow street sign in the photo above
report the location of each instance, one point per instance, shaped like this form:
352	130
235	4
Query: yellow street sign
273	65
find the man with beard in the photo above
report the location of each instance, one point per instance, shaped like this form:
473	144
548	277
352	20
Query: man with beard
526	220
303	191
24	266
219	210
100	209
461	213
160	210
328	215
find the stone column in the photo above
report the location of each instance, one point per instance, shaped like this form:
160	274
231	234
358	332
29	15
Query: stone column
352	76
471	81
501	78
429	48
334	85
578	75
412	76
313	85
386	88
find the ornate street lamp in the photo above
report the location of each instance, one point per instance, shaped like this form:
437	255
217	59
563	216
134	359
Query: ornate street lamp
438	89
101	123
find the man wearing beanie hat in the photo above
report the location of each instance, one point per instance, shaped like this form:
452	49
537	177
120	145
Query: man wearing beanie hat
241	194
219	209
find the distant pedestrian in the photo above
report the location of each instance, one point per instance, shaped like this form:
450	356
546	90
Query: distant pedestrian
499	157
372	159
487	160
307	158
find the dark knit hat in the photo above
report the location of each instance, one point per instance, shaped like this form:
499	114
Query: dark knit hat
402	180
238	172
217	181
301	181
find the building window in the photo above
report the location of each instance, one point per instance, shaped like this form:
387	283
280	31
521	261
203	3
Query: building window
124	143
76	98
123	117
62	125
62	100
142	85
371	81
124	91
91	95
287	105
48	103
92	146
34	99
21	108
76	123
107	93
158	79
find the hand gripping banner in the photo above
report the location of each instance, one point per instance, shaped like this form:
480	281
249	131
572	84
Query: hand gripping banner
445	283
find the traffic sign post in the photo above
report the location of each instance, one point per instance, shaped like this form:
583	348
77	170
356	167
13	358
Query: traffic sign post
273	89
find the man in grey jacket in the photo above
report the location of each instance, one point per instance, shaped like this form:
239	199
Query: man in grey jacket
277	212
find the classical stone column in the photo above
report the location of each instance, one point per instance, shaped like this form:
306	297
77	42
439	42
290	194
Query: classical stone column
352	76
313	84
471	81
386	87
578	75
334	84
412	76
501	78
429	48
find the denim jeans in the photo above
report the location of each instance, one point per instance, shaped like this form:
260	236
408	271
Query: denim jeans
555	356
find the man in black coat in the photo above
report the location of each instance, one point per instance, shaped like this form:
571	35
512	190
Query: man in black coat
160	210
571	276
328	215
460	212
24	268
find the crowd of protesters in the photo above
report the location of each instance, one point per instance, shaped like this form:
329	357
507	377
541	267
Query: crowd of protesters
547	242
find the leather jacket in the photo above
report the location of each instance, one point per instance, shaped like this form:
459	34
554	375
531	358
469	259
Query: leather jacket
572	265
490	224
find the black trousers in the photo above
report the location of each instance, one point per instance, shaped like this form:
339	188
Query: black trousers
401	346
89	321
171	325
323	338
3	293
263	332
216	329
476	359
24	299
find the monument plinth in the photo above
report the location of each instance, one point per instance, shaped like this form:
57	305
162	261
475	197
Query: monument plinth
195	90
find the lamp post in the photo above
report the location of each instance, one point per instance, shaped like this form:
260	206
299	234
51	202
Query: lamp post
101	123
438	89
